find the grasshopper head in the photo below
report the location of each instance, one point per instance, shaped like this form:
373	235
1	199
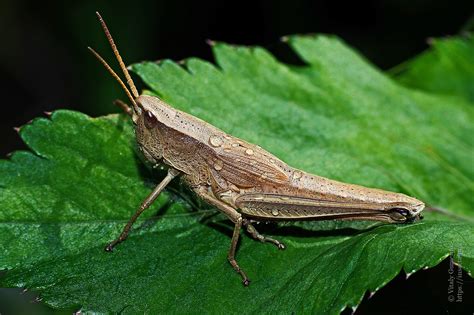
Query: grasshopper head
149	114
150	110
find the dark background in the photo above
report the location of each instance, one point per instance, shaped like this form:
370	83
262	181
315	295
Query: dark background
44	65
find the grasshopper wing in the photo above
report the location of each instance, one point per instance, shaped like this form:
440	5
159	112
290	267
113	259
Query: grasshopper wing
245	167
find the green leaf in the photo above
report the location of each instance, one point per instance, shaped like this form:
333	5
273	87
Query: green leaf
446	68
337	117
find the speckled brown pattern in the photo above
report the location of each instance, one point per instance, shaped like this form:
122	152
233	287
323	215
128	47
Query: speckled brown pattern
251	180
241	179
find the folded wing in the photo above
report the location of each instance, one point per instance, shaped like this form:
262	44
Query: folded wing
245	167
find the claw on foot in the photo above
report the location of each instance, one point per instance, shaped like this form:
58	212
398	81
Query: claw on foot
246	282
109	248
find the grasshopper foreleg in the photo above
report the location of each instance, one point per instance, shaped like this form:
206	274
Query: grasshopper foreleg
254	233
172	173
236	218
123	106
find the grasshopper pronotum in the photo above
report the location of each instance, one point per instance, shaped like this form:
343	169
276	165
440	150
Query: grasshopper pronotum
242	180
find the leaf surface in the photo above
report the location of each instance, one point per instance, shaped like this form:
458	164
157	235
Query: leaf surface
338	117
446	68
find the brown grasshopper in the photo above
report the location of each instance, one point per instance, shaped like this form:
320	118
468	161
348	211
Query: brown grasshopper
242	180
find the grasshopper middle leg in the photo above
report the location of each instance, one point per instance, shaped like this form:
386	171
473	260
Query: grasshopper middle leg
254	233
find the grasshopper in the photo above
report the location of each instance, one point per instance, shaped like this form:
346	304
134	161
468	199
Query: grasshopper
242	180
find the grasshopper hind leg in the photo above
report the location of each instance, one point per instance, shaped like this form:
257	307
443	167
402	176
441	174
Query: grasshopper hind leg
238	221
264	239
233	247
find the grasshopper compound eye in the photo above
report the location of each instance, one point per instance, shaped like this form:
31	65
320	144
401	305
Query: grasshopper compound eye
150	120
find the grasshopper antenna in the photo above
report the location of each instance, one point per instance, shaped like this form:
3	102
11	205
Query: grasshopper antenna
115	75
117	55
